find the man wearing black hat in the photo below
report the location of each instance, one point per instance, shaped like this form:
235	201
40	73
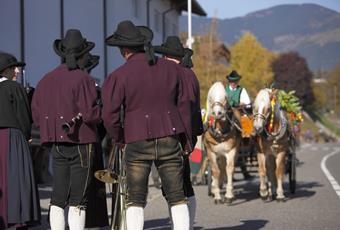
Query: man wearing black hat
60	95
173	50
237	95
19	201
156	120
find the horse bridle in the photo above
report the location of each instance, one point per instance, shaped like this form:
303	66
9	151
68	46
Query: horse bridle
222	104
261	116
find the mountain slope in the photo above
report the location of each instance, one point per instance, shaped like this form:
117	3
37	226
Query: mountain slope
310	29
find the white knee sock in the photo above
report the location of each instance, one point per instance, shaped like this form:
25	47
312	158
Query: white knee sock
134	218
192	210
57	218
76	218
180	216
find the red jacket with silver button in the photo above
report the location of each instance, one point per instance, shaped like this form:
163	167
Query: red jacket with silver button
59	96
153	98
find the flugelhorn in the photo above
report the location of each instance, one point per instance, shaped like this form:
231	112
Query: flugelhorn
68	125
108	175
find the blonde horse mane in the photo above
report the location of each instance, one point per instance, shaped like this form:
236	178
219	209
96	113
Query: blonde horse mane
262	100
216	93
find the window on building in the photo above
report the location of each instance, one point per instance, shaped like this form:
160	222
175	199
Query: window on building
157	21
135	8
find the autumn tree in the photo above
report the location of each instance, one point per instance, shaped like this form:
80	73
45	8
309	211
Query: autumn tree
291	72
210	59
253	62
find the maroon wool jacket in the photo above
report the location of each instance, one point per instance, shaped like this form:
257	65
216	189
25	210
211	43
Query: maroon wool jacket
59	96
155	103
193	87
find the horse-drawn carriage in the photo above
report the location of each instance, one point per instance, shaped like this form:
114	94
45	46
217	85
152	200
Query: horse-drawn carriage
270	148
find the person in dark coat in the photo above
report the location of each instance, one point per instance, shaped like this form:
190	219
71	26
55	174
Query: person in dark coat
96	215
173	50
61	95
156	121
19	201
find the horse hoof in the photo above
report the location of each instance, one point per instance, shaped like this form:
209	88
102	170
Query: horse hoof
264	194
229	200
270	198
219	201
281	199
264	198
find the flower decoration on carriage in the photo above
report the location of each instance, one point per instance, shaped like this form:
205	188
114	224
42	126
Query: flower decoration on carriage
291	103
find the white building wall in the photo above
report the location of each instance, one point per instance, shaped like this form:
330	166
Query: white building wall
42	27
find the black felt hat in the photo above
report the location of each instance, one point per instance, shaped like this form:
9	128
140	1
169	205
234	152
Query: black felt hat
93	61
127	34
74	43
72	46
8	60
172	46
234	76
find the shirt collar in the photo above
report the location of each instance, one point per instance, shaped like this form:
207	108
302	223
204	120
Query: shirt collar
3	79
231	89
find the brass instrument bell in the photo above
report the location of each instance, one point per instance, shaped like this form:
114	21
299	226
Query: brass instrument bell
108	175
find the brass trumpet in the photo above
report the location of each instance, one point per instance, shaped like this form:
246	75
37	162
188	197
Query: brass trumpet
108	175
115	175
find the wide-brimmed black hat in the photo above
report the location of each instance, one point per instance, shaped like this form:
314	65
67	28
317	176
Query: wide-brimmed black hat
8	60
233	76
74	43
72	46
172	46
127	34
93	61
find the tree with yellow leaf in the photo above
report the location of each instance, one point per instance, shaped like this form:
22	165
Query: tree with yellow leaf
253	62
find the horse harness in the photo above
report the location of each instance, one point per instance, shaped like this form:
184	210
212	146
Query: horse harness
274	136
223	134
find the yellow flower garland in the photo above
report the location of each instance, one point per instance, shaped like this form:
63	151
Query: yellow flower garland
271	123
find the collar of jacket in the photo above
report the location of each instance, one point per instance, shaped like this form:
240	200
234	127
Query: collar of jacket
3	78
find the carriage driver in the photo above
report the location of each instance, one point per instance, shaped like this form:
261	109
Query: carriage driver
156	118
238	97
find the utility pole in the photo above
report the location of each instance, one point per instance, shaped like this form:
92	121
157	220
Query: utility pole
190	38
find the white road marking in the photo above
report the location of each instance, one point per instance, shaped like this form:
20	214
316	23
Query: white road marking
329	176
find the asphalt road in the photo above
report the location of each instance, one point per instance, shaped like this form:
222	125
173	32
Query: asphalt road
315	204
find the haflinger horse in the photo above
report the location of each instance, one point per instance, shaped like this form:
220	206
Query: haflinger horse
273	141
221	138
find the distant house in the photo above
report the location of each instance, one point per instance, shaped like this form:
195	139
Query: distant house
29	27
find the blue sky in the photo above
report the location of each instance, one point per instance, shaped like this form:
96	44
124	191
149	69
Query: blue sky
236	8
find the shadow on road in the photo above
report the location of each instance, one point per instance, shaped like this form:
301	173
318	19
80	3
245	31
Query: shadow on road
245	225
156	224
304	190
